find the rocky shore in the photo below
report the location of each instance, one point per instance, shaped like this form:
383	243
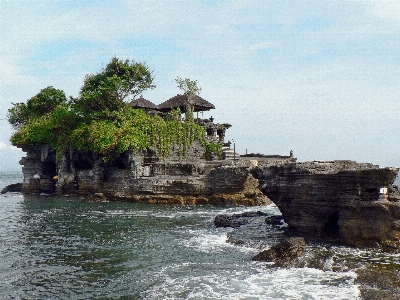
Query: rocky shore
333	203
265	232
336	202
278	247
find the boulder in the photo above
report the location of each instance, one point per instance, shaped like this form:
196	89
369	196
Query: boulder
236	220
284	253
229	221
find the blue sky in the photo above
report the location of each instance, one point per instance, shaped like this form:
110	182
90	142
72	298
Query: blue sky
320	78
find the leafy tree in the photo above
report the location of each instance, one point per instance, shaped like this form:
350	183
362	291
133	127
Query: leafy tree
127	129
189	87
110	126
53	128
18	115
191	90
105	91
44	102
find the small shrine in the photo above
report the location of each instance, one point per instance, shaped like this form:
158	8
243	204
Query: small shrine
215	132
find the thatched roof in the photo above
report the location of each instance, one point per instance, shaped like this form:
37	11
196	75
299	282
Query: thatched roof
144	104
181	101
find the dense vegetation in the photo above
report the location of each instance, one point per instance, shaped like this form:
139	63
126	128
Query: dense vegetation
99	120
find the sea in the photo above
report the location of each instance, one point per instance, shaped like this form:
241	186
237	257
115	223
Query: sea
68	248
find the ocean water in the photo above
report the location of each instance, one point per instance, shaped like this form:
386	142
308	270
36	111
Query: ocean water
68	248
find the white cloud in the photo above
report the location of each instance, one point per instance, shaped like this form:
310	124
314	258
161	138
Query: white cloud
7	148
263	46
323	64
387	9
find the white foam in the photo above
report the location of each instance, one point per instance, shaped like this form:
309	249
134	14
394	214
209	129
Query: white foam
277	283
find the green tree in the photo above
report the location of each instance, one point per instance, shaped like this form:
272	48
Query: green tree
42	103
106	91
110	126
18	115
191	90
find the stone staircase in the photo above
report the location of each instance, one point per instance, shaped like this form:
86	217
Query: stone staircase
228	153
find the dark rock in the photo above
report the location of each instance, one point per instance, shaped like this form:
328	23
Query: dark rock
335	201
274	220
252	214
379	283
236	220
285	253
229	221
12	188
255	232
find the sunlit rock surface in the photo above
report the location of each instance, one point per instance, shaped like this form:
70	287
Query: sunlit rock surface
141	177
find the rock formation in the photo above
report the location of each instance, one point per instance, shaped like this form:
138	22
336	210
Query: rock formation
284	253
335	201
237	220
324	201
12	188
141	177
257	230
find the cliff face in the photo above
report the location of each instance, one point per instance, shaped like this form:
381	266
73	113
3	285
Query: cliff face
335	201
39	168
141	177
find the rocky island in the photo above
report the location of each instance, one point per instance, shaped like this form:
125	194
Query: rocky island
105	149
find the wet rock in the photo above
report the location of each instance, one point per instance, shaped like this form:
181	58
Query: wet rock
285	253
253	231
228	221
379	283
236	220
274	220
12	188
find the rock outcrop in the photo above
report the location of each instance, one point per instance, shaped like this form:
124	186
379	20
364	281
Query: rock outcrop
335	201
324	201
141	177
237	220
12	188
284	253
261	230
257	229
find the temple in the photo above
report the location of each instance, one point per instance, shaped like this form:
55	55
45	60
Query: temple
340	201
215	132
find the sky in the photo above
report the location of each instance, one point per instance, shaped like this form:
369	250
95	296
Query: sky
320	78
